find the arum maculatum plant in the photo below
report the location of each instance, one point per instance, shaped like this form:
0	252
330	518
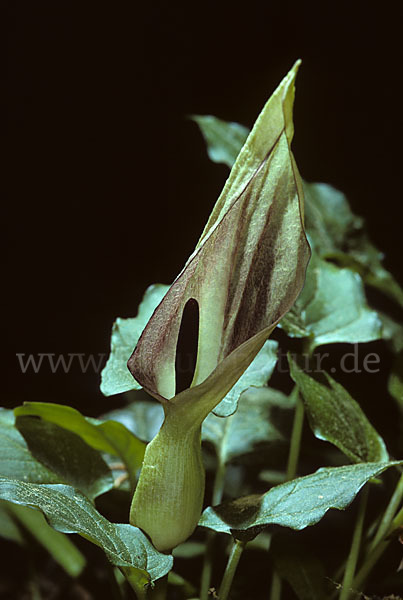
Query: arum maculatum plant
244	275
251	270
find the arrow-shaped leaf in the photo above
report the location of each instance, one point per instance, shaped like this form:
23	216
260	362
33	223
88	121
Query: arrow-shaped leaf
106	436
252	425
296	504
67	455
68	511
16	461
115	377
335	417
331	308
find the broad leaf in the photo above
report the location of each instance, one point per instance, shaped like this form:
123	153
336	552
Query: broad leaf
339	234
16	461
115	377
296	504
142	418
252	426
107	436
328	218
67	455
59	546
332	308
336	418
68	511
392	331
224	140
257	374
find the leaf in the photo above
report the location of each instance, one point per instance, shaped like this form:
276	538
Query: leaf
392	331
67	455
339	234
224	140
297	565
328	218
251	426
69	511
61	548
142	418
336	418
115	377
332	308
297	504
189	549
257	374
105	436
255	251
16	461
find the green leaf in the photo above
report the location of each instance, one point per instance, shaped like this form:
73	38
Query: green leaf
115	377
59	546
369	264
328	218
67	455
107	436
189	549
224	140
339	234
336	418
142	418
16	461
299	567
250	427
332	308
392	331
257	374
69	511
296	504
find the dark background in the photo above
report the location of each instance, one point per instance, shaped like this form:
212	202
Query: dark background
110	182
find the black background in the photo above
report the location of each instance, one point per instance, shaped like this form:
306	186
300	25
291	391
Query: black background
110	182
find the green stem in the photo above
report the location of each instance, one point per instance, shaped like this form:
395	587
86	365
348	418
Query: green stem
218	491
376	552
367	567
296	435
388	514
355	548
232	564
292	465
275	590
132	579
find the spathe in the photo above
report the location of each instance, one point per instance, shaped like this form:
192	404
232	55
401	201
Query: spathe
245	273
